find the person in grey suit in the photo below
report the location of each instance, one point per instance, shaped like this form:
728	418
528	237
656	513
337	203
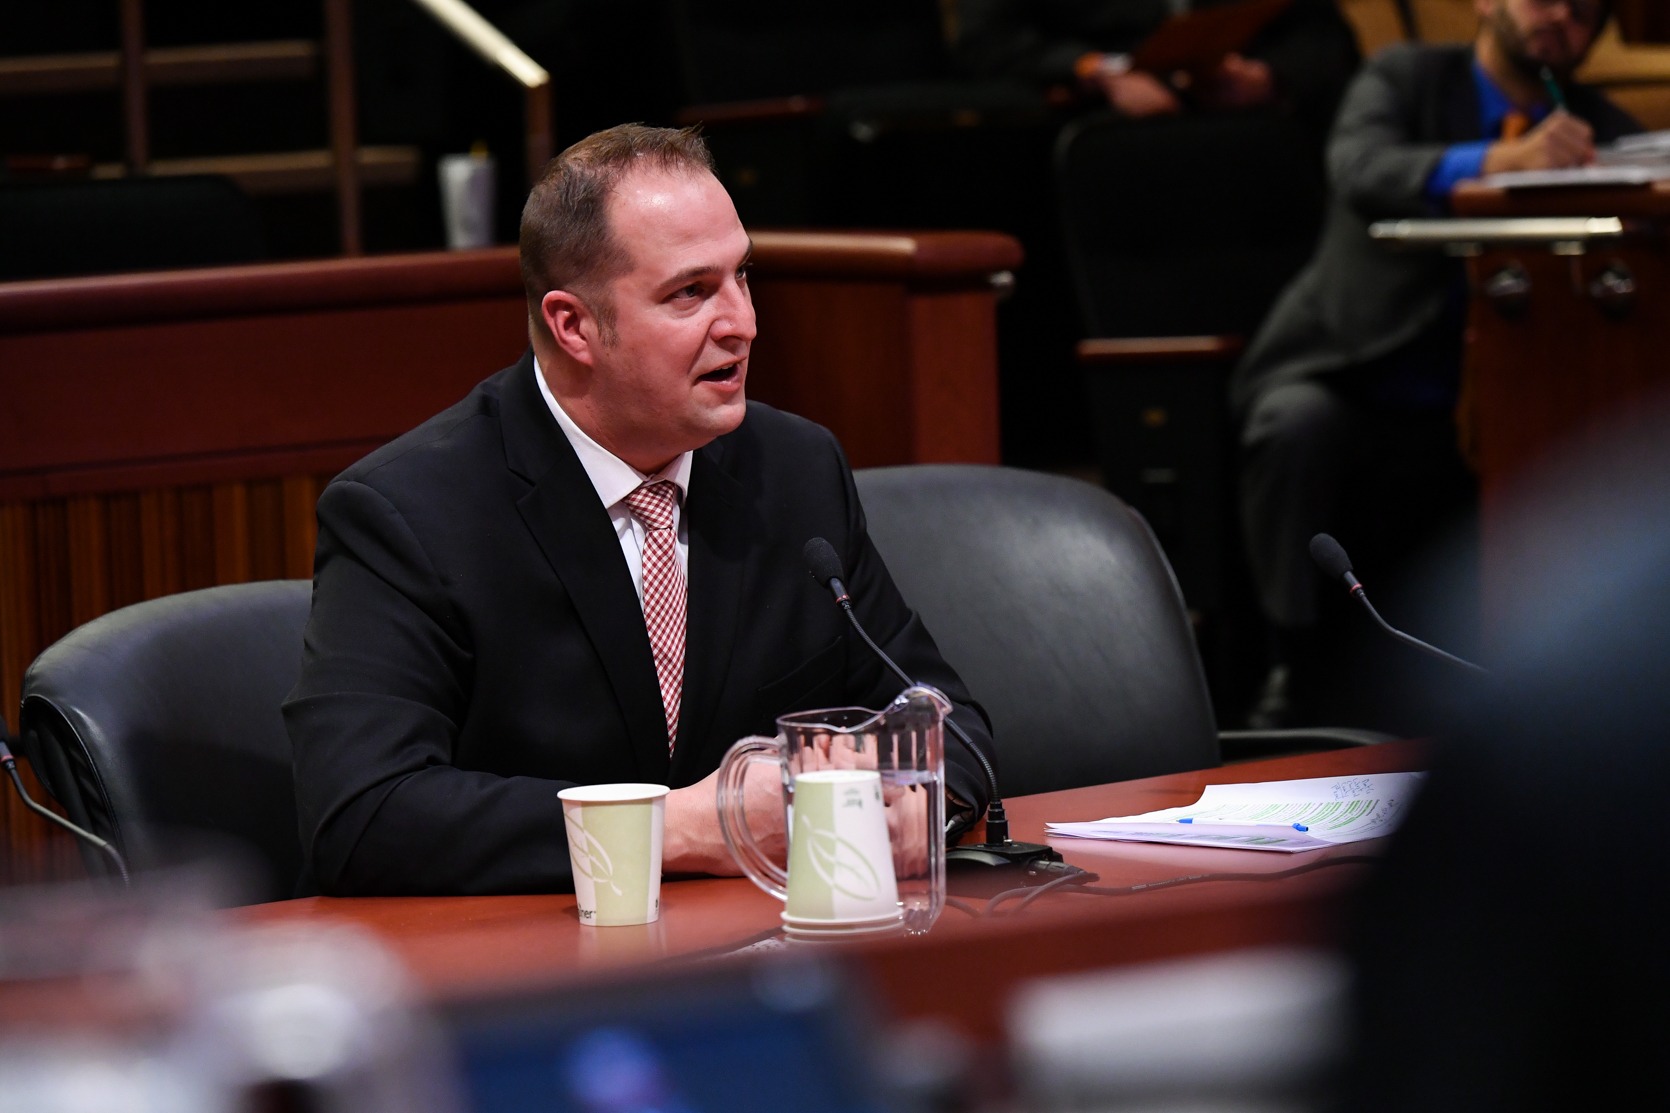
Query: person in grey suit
1351	383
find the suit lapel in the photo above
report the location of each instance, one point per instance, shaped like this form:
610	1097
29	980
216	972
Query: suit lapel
573	530
718	520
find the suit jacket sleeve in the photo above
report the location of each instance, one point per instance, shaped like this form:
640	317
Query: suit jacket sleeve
898	630
373	721
1374	165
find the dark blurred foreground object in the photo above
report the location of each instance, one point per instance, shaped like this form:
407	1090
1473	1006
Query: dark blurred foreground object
777	1034
143	999
51	229
1530	972
1234	1032
165	715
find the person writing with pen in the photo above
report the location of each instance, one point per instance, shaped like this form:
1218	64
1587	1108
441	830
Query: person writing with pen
1346	396
1524	52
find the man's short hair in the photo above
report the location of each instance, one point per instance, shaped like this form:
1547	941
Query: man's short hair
566	242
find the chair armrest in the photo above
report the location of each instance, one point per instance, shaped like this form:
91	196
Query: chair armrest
749	111
1248	745
1106	351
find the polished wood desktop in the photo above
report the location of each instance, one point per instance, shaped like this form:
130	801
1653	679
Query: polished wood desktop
169	431
1575	353
463	947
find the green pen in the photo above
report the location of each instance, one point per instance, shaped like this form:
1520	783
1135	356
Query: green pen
1555	93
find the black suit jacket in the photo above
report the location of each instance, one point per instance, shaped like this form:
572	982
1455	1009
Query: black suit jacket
1357	301
476	643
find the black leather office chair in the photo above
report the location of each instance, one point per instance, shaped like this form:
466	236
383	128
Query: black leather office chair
52	229
165	715
1053	601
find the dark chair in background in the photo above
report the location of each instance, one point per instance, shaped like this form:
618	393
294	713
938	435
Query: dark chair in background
1180	234
1055	605
56	229
164	717
853	116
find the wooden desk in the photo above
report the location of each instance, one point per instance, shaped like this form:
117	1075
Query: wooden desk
961	971
1560	367
163	432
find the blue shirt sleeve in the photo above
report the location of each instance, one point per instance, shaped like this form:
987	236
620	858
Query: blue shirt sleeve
1460	162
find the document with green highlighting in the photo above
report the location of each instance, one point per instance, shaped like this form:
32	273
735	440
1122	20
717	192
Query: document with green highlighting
1284	816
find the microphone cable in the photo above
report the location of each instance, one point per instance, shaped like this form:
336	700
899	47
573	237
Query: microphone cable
825	565
84	835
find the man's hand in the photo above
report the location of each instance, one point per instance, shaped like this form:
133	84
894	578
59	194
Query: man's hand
1137	94
1560	141
1239	83
693	842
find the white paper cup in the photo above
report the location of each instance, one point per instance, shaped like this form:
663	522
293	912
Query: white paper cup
467	193
840	857
614	844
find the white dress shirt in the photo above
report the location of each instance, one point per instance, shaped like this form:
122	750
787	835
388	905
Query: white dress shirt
614	479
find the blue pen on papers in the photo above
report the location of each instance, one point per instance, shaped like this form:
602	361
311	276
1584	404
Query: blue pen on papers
1555	93
1295	826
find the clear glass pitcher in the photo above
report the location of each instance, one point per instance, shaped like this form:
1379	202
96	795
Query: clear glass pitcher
867	847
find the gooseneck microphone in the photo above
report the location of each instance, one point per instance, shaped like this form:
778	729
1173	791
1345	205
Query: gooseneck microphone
85	836
1331	558
999	849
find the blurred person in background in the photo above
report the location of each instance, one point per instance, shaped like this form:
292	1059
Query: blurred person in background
1300	62
1352	382
1511	949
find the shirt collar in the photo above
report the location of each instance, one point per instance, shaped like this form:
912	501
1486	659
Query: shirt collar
1494	104
613	477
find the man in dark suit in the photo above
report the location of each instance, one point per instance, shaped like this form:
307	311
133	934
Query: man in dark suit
500	605
1352	381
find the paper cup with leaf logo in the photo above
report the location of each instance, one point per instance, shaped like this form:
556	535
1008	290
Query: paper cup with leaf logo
614	844
840	858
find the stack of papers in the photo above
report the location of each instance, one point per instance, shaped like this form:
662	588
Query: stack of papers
1632	161
1615	175
1287	816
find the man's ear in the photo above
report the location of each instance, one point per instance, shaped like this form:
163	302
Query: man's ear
572	325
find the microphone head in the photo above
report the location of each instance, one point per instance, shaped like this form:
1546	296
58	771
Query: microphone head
1329	556
822	561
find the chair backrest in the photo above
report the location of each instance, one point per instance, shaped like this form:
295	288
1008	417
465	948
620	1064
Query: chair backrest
165	715
1187	225
747	49
52	229
1055	605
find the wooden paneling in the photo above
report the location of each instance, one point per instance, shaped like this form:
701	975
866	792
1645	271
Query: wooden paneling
164	432
65	561
1563	369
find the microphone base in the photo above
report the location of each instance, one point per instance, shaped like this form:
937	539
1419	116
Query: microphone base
978	856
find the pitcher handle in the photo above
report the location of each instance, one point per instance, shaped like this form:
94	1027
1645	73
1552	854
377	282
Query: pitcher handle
733	823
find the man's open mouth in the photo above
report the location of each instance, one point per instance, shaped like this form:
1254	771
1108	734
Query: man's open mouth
721	374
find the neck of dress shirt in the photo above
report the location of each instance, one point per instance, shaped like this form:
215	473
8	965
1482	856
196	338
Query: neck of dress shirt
1494	104
614	479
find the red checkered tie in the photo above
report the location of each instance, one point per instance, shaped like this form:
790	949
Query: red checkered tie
653	504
